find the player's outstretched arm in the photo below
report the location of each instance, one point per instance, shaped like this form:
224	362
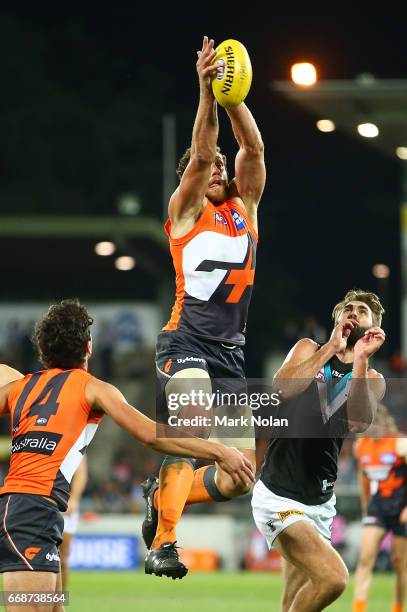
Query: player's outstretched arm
186	201
250	170
109	399
78	485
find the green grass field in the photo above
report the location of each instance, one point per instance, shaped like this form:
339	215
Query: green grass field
219	592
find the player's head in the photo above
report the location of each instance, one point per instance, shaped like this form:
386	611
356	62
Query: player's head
364	307
217	191
62	337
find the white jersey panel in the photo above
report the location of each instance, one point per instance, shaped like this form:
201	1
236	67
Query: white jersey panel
211	246
73	458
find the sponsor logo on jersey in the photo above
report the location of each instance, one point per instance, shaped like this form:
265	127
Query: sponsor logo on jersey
186	359
168	365
327	485
31	552
286	513
238	219
220	219
388	458
52	557
41	421
365	459
41	442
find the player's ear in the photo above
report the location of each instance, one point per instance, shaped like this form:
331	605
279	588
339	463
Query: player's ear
89	347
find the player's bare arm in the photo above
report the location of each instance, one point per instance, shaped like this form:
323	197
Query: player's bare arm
367	386
187	201
305	360
108	398
250	170
8	374
4	393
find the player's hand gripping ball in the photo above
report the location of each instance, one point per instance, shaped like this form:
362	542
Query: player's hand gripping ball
234	77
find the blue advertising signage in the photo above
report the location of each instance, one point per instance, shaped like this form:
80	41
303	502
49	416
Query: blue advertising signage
104	552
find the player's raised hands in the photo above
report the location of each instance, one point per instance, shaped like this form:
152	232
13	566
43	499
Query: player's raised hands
340	335
205	67
370	342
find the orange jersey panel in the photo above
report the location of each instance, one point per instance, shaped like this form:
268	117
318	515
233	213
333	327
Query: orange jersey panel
51	426
384	467
214	267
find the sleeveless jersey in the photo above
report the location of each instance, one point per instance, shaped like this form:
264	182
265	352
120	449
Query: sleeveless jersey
385	469
304	466
214	265
51	426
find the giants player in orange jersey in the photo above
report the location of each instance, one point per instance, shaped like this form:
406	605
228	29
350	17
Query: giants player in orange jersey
54	416
382	460
212	230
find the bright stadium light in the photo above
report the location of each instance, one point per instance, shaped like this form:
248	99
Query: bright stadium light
125	263
326	125
368	130
381	271
105	248
304	74
401	153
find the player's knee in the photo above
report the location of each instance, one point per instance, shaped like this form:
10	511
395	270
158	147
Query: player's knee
336	582
366	562
236	490
398	561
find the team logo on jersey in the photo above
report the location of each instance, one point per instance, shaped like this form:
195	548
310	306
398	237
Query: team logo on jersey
388	458
41	442
220	219
238	219
168	365
31	552
286	513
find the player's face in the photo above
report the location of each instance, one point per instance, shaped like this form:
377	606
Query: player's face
363	317
217	191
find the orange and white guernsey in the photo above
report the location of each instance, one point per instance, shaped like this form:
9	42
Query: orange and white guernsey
214	265
383	465
51	426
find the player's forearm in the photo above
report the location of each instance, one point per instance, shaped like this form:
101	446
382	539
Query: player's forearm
245	129
188	447
292	379
362	402
206	129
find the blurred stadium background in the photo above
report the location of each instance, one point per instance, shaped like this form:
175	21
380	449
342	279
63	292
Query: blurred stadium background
93	117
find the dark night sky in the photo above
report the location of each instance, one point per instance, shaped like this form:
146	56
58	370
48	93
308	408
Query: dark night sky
330	209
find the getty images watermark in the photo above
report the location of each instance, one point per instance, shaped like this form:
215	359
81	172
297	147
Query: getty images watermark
239	406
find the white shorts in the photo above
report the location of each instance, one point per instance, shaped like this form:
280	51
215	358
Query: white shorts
71	522
272	513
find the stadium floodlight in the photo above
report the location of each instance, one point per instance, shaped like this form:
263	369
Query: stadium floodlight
304	74
381	271
105	248
326	125
401	153
125	263
368	130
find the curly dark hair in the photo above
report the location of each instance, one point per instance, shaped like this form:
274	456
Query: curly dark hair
62	334
184	161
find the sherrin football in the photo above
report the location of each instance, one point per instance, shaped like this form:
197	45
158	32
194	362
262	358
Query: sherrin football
234	77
